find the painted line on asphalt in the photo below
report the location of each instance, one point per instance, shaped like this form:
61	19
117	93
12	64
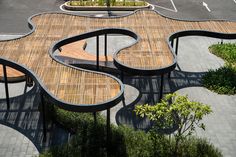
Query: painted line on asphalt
9	36
152	6
206	6
234	1
173	4
62	9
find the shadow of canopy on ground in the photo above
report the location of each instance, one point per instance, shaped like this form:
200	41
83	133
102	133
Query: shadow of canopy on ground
149	94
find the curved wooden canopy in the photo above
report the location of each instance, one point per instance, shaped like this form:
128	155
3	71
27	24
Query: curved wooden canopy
77	87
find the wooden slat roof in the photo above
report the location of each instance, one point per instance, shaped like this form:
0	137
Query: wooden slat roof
82	87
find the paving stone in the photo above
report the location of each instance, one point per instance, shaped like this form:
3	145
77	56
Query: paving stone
221	123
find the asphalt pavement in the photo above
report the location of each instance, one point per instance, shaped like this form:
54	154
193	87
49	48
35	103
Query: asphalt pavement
14	13
196	9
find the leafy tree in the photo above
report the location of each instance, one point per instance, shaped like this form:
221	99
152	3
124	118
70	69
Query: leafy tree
175	110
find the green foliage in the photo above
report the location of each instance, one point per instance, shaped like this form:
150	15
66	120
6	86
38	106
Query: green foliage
225	51
90	140
137	143
222	80
72	121
113	2
193	147
176	110
100	2
103	3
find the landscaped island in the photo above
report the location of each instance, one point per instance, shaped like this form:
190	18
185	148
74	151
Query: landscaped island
222	80
105	5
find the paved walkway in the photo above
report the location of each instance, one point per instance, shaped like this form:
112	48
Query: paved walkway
15	144
194	60
20	127
221	124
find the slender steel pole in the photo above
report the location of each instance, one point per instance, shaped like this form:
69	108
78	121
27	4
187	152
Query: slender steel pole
172	43
108	130
6	87
105	45
123	101
221	41
97	52
169	74
95	117
122	76
161	87
176	46
44	118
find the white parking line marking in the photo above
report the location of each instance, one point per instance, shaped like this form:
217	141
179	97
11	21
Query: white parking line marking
62	9
206	6
234	1
173	4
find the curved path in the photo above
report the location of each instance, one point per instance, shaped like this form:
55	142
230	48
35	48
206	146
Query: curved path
13	143
78	88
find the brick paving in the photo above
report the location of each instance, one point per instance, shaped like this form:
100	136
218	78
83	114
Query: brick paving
20	126
13	143
194	60
221	124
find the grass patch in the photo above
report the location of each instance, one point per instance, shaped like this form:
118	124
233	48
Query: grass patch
222	80
90	140
225	51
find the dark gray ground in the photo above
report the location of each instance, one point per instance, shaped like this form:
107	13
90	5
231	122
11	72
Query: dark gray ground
194	9
14	13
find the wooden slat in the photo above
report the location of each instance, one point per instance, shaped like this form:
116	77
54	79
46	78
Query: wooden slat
80	87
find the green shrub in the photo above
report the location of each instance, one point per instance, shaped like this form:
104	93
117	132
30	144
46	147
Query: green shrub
225	51
222	80
72	121
198	147
90	140
174	110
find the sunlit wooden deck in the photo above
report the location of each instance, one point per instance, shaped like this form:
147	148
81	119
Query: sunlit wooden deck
82	87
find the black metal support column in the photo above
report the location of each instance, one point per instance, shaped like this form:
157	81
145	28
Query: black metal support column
44	118
161	87
176	46
221	41
108	130
172	43
122	76
97	52
6	86
95	117
123	101
29	81
169	74
105	45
